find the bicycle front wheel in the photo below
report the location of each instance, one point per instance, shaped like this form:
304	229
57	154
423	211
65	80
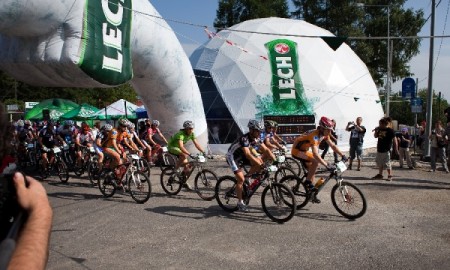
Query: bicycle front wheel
298	188
93	172
226	193
170	181
278	202
293	164
282	172
205	184
140	187
106	184
348	200
62	171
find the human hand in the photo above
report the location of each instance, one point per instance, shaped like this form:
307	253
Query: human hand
32	198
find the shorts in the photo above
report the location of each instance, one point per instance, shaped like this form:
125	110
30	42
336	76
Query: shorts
98	149
236	163
383	160
356	151
175	151
305	155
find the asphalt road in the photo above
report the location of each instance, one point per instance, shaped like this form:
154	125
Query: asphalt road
406	226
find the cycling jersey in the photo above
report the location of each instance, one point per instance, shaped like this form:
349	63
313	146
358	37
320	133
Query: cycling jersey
235	152
23	134
180	136
265	135
307	140
66	134
85	138
112	135
48	137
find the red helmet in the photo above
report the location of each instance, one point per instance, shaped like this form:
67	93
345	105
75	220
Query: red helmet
326	123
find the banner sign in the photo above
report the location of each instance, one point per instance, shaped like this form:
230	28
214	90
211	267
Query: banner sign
416	105
105	51
287	88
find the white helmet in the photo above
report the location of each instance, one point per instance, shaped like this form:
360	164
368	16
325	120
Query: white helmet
253	124
155	122
20	123
188	124
108	127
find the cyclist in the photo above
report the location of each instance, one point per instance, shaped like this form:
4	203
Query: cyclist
47	140
176	146
102	134
24	135
310	141
83	139
150	135
112	147
276	136
134	138
268	136
247	149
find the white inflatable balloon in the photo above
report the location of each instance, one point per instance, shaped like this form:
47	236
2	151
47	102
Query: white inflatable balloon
101	43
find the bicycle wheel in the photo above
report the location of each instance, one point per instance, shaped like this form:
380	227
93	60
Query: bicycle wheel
298	188
62	171
140	187
282	172
106	185
205	184
93	172
168	161
79	169
171	182
348	200
43	170
143	166
226	193
293	164
273	200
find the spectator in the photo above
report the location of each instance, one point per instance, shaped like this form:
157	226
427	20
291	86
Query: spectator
447	114
357	132
447	133
31	250
386	137
404	142
333	137
438	144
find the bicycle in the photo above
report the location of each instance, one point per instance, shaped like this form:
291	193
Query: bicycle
164	159
204	182
138	184
55	163
88	156
277	200
345	196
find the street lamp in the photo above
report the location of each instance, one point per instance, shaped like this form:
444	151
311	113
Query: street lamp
388	70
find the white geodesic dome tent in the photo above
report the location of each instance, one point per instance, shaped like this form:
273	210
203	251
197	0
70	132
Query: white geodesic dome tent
233	71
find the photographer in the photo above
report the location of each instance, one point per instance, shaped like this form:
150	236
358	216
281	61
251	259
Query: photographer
386	137
31	249
357	132
403	142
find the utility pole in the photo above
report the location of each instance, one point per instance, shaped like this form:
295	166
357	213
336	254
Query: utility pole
430	84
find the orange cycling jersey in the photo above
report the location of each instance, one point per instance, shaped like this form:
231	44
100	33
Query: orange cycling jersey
112	135
123	135
307	140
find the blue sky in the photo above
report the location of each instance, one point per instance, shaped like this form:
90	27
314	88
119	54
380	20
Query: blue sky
203	12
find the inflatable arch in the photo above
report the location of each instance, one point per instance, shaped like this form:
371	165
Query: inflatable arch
102	43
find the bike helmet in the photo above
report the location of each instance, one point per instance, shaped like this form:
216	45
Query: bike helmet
253	124
86	127
27	122
155	123
131	125
188	124
269	124
123	122
69	123
108	127
326	123
20	123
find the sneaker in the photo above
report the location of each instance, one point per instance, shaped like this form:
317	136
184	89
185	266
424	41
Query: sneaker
187	186
378	176
242	207
315	199
389	178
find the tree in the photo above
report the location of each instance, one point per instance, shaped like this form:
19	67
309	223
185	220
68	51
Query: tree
349	19
231	12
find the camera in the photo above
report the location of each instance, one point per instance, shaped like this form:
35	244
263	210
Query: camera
9	207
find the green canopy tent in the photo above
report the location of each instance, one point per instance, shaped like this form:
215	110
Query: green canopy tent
55	106
81	113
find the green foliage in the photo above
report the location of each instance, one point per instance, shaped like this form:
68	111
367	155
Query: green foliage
347	18
400	109
231	12
99	97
